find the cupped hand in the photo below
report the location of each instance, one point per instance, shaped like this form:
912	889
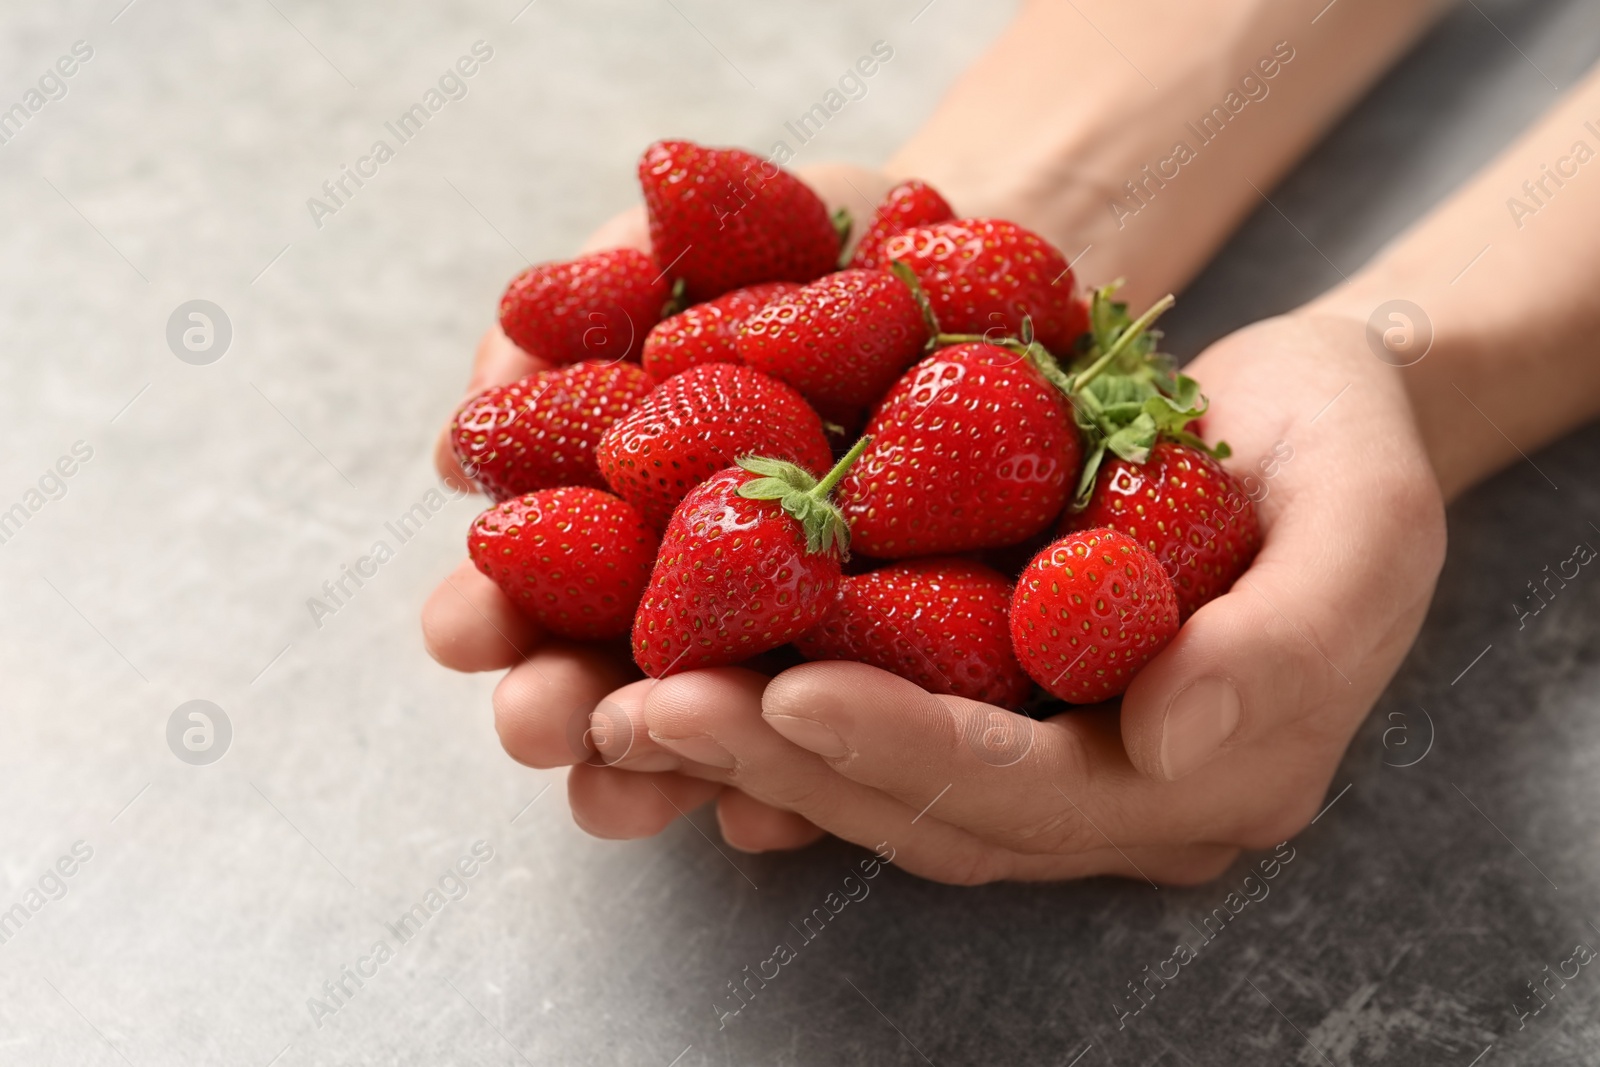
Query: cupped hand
1227	740
544	705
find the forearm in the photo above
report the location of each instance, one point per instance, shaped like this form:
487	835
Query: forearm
1506	271
1072	122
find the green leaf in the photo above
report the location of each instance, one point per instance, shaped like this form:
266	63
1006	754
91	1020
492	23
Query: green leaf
1134	441
766	489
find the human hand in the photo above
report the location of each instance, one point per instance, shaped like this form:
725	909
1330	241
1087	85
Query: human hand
544	704
1226	740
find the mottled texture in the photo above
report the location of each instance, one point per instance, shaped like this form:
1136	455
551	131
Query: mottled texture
1088	612
972	448
734	579
540	432
698	423
574	560
842	340
598	306
1186	509
940	622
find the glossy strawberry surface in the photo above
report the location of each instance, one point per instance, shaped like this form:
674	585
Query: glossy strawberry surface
574	560
842	340
698	423
983	276
1183	507
908	205
706	333
723	218
598	306
1090	610
540	432
734	578
971	449
940	622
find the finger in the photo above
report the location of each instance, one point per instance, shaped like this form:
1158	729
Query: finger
626	229
1061	786
622	805
1307	635
497	361
468	624
751	826
714	718
542	707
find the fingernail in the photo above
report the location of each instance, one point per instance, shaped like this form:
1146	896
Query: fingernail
1200	718
811	735
702	749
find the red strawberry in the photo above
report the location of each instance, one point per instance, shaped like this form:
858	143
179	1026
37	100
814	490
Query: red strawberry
1186	509
939	622
749	562
909	204
842	340
574	560
972	448
1089	611
540	432
722	218
598	306
706	332
699	422
983	275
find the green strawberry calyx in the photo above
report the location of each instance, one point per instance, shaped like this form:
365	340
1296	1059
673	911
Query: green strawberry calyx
1126	393
842	225
803	497
901	270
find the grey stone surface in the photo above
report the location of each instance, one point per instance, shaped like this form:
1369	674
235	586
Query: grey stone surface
217	898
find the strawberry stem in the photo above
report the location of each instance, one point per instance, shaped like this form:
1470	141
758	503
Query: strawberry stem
901	270
1131	334
821	490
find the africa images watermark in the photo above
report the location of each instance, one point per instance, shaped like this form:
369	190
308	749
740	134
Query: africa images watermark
1582	554
1537	193
51	486
1140	191
337	191
52	85
50	886
453	886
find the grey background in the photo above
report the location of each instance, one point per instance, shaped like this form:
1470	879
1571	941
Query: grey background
177	566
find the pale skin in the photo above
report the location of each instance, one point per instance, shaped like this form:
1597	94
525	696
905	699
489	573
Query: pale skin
1228	739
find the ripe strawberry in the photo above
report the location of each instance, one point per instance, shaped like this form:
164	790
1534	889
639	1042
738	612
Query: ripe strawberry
842	340
722	218
972	448
939	622
699	422
598	306
575	560
540	432
983	275
909	204
749	562
1186	509
1089	611
706	332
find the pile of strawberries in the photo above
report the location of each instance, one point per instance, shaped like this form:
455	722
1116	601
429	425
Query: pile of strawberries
675	478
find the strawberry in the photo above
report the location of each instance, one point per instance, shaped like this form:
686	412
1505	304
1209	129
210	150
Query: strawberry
909	204
722	218
574	560
706	332
982	276
841	340
749	561
939	622
972	448
598	306
697	423
1186	509
1088	612
540	432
